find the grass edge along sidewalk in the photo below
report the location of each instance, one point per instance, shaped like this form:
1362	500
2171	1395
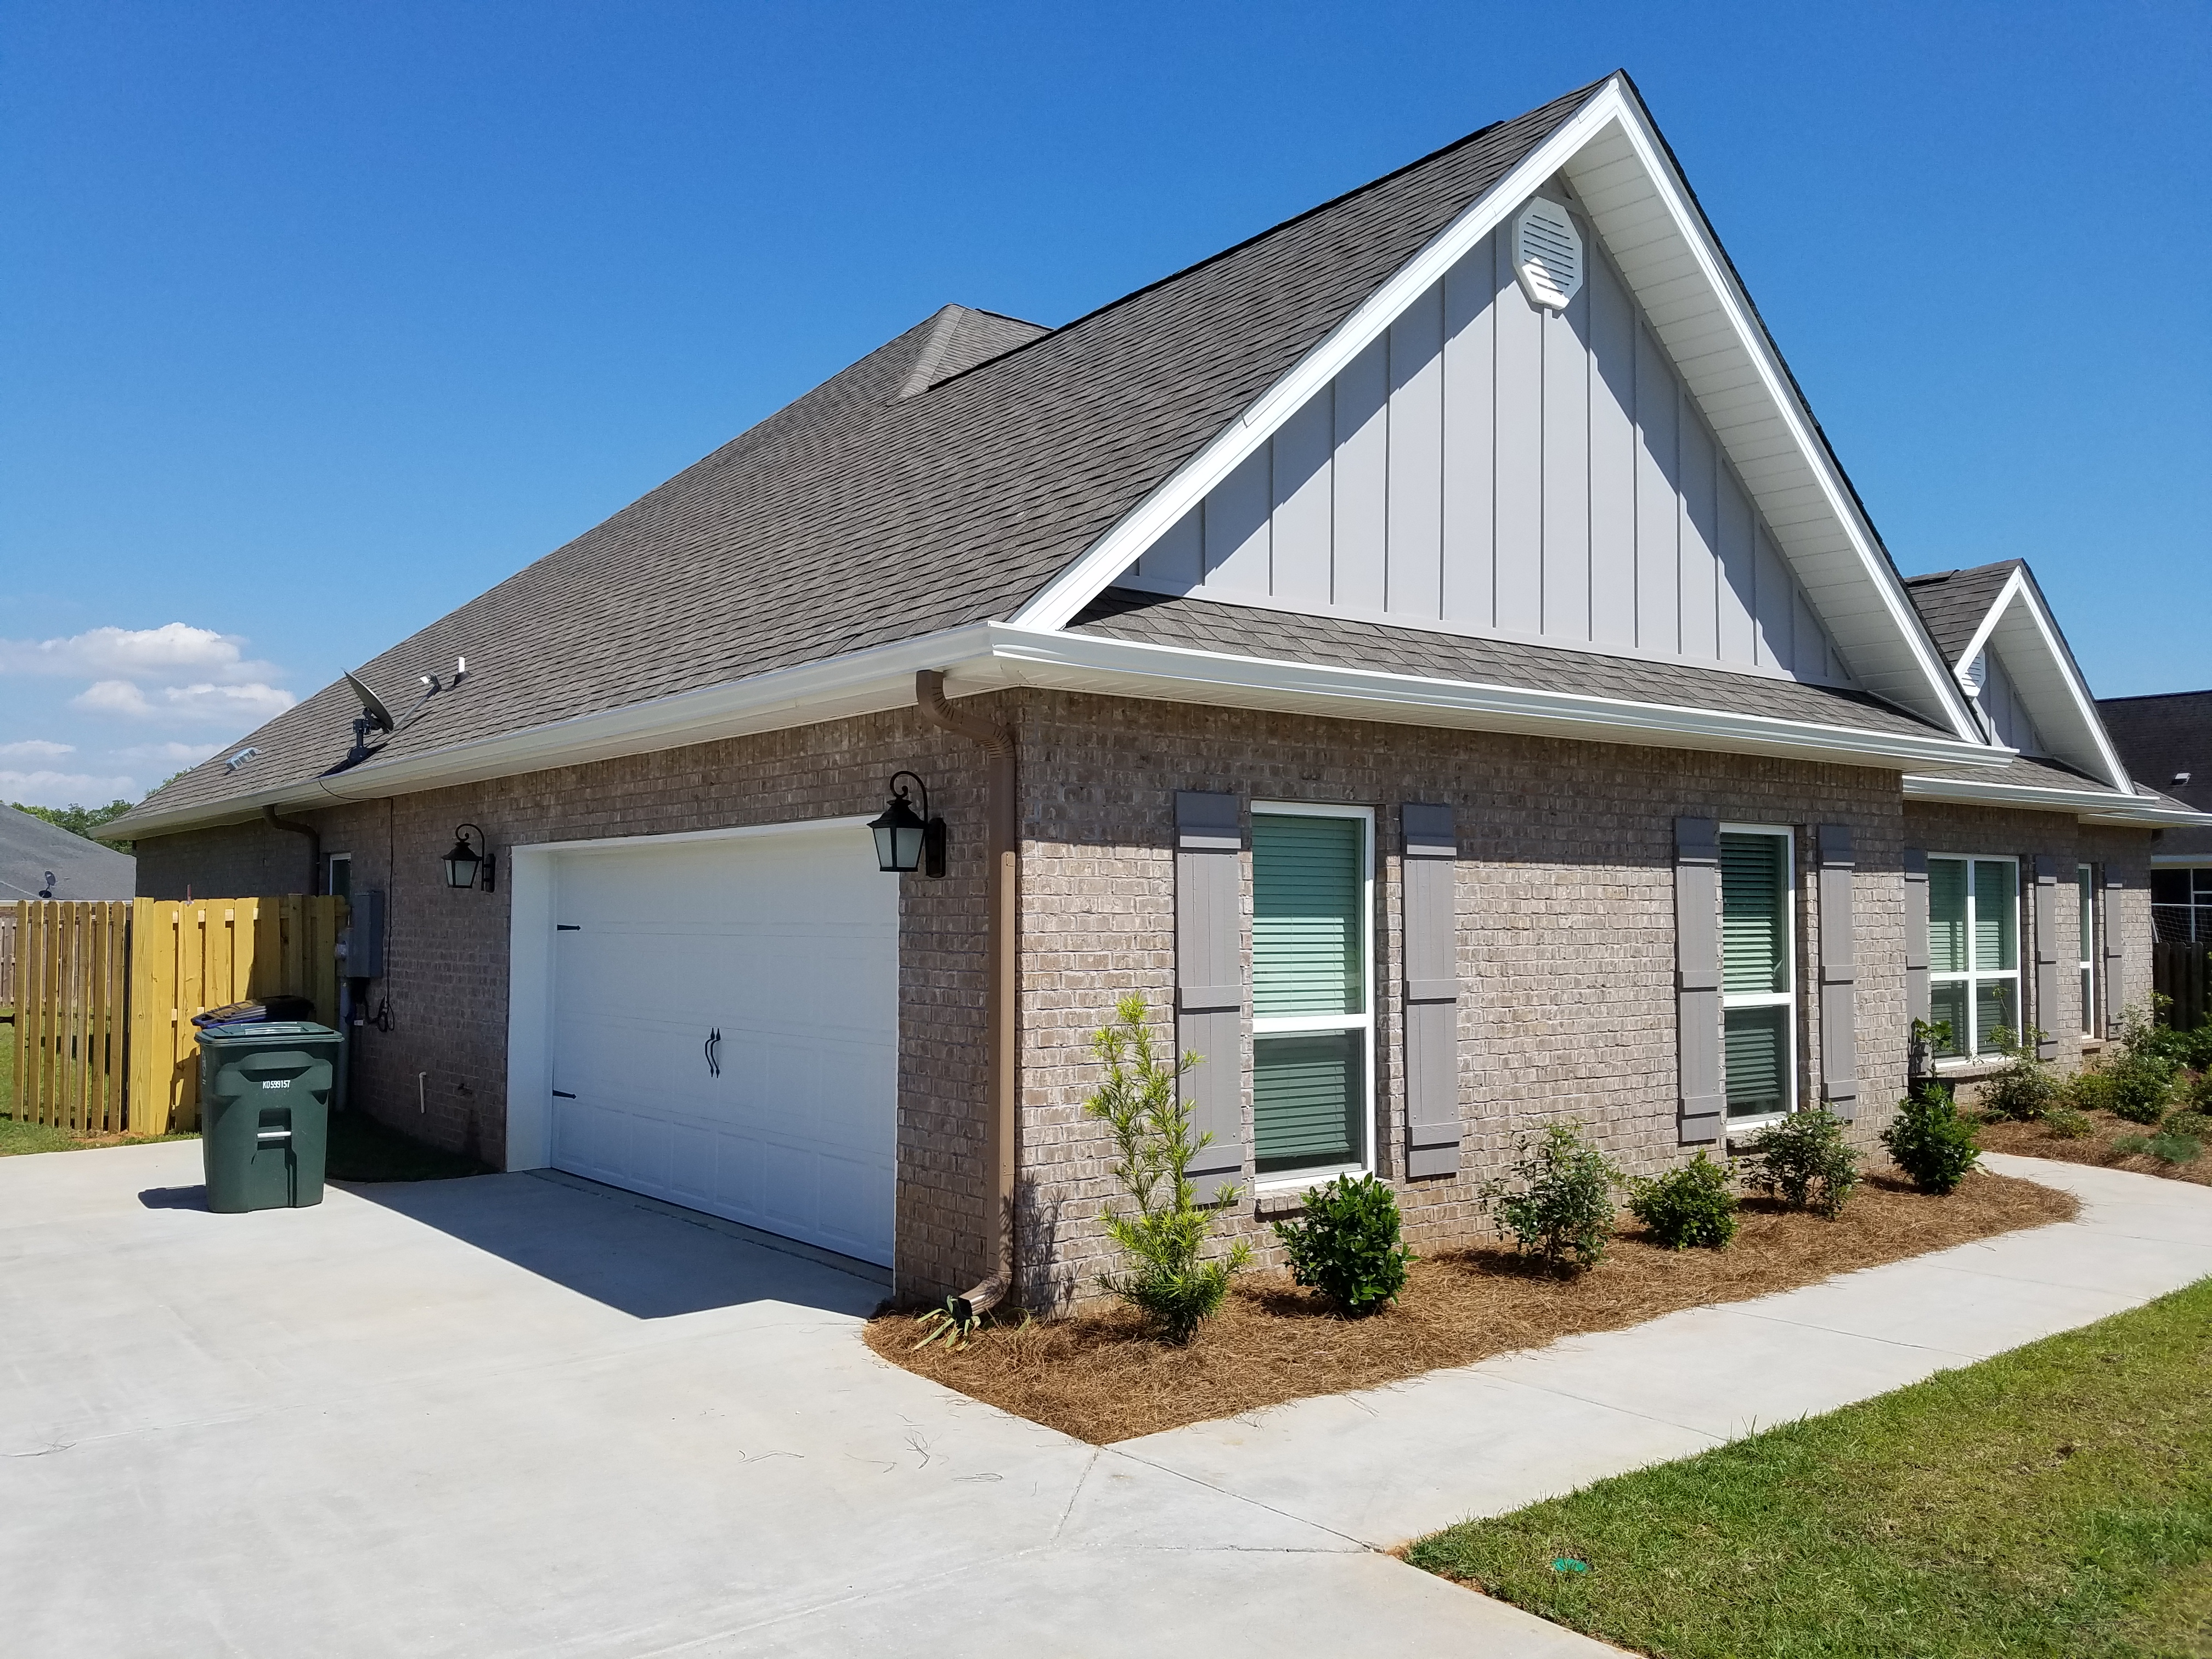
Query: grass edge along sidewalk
2054	1500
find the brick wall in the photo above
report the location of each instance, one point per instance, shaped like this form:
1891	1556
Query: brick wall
1565	888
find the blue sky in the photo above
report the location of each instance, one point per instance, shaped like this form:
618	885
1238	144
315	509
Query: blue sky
316	321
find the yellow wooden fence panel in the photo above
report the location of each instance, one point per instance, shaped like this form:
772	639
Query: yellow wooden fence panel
192	955
69	1036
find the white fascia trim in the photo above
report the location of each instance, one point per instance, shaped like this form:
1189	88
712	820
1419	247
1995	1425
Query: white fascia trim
1057	603
2018	590
1062	599
2182	860
862	682
1136	668
2090	805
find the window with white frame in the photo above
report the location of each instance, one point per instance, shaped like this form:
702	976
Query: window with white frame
340	879
2085	883
1973	951
1758	970
1312	989
2181	904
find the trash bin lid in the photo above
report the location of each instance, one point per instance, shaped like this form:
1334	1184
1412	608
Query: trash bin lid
275	1034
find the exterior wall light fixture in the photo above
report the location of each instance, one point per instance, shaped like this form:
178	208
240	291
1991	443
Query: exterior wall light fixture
905	840
464	862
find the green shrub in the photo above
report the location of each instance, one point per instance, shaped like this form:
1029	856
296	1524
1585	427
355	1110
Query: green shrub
2068	1124
2198	1094
2024	1087
1803	1161
1168	1280
1693	1205
2136	1075
1558	1204
1347	1244
2165	1146
2197	1126
1930	1142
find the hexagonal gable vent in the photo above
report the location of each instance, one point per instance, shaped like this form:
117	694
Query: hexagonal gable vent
1547	254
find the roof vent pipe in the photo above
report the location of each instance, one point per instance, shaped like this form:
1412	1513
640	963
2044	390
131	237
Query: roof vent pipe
1002	851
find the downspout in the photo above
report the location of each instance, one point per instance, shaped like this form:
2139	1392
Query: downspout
301	827
1002	851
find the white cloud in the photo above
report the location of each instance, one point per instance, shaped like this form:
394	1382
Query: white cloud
35	749
242	707
175	648
176	753
66	788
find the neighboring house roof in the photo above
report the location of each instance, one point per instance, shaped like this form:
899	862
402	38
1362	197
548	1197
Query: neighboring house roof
1996	611
2167	742
82	869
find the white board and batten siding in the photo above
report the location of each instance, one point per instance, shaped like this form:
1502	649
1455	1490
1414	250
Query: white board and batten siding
1491	466
2001	700
786	944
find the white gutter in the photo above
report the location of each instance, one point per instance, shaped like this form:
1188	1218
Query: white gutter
1136	668
2090	805
982	656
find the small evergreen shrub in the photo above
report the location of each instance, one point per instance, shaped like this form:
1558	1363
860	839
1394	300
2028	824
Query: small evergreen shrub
1346	1245
2138	1074
1930	1142
2197	1126
1169	1280
2165	1145
2024	1087
2068	1124
1694	1205
1558	1204
2199	1092
1803	1161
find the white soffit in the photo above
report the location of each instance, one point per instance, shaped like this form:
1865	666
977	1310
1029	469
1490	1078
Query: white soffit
2044	672
1625	184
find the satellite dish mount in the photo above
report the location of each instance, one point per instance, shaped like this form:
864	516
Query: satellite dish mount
374	717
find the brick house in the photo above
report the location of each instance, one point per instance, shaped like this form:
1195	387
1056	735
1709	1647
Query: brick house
1429	649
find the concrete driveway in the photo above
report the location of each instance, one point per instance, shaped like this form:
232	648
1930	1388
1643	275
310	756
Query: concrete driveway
510	1415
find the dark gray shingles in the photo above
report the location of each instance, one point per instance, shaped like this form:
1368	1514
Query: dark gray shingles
866	518
2160	737
82	869
1337	641
1953	603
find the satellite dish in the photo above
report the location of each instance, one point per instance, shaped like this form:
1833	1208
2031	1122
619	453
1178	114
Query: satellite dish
379	717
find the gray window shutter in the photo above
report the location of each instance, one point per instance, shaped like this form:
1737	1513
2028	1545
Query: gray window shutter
1209	979
2046	955
1431	929
1918	1003
2108	924
1698	979
1839	1019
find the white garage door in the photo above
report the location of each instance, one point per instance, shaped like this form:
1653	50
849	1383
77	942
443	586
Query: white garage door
787	945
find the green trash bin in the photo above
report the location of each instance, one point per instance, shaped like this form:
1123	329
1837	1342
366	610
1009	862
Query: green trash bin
265	1113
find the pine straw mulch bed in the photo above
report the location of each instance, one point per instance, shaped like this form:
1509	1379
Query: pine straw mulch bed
2036	1140
1097	1375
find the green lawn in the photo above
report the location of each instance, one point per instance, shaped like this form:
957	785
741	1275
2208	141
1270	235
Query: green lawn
2054	1501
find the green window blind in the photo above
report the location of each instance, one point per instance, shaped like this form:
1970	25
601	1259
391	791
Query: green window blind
1754	914
1756	1059
1306	881
1946	915
1307	1089
1997	916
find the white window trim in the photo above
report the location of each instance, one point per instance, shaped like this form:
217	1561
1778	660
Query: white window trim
1362	1022
331	863
1786	998
1971	976
2085	908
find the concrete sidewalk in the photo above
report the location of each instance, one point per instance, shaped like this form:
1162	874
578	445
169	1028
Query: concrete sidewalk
1390	1464
510	1416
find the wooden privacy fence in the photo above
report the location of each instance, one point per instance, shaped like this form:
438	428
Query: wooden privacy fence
8	957
105	993
2178	969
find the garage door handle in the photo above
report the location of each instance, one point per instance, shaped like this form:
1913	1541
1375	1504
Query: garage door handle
713	1061
562	1094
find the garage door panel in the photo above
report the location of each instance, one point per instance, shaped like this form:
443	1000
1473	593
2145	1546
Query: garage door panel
787	945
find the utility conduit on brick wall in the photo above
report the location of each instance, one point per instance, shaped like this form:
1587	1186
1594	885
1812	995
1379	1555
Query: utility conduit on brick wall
1002	852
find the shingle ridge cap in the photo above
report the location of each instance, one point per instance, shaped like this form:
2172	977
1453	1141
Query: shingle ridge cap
2153	696
1579	95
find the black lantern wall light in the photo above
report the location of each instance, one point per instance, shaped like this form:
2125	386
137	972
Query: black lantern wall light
464	863
907	841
